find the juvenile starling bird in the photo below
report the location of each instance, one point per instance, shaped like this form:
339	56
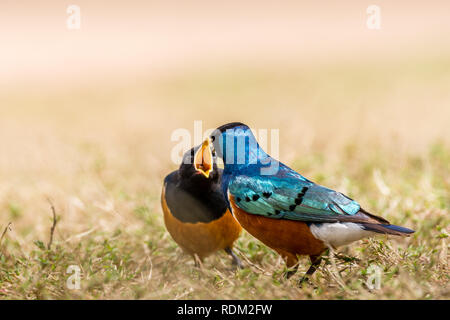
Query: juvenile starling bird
195	211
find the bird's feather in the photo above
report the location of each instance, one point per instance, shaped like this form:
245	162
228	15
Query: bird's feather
286	196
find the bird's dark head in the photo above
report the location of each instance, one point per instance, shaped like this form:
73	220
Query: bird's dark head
235	144
199	165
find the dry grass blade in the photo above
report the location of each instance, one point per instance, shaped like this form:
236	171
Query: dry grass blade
8	227
334	272
243	256
55	221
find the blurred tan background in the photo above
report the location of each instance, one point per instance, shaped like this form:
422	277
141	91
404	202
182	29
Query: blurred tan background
149	37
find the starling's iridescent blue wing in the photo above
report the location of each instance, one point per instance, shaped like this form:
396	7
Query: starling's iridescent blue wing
292	198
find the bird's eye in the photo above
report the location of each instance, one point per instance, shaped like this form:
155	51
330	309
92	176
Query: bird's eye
213	138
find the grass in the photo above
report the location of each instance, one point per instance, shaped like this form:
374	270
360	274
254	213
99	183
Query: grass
377	131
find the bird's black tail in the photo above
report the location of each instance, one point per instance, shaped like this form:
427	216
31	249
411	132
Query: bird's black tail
387	229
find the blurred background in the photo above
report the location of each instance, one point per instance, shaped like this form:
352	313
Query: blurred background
86	115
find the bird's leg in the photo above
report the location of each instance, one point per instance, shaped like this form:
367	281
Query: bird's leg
291	272
291	263
236	261
198	261
315	263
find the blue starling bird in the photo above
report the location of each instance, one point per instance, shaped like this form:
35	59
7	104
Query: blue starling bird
284	210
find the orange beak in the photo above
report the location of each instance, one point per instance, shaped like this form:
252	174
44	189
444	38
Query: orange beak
203	159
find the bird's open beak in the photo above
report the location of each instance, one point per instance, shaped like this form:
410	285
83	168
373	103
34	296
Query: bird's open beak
203	159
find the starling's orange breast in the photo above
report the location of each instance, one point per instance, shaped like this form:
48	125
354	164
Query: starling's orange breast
289	238
201	238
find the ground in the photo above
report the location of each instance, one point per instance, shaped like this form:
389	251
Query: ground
375	130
